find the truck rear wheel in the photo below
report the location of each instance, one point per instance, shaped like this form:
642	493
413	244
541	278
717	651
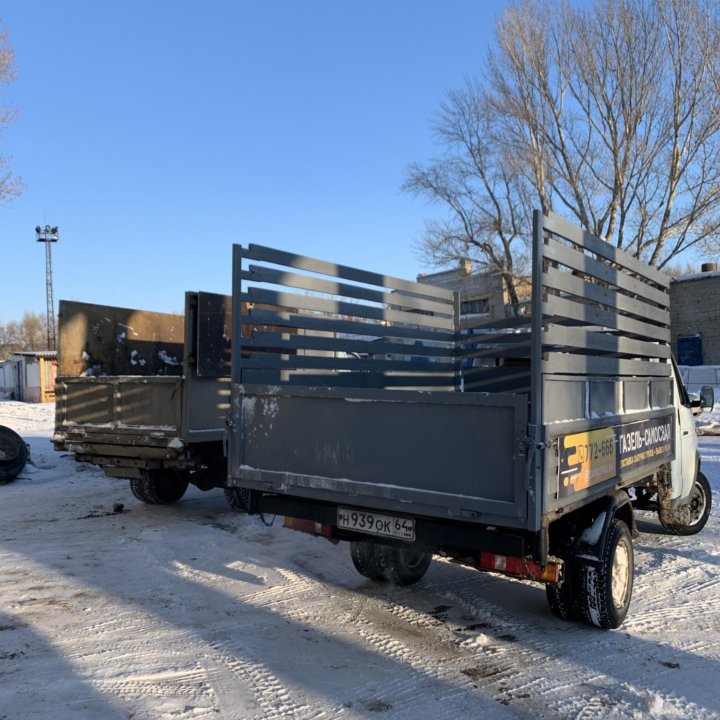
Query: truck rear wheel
159	487
699	510
238	498
563	599
13	454
366	559
605	590
402	566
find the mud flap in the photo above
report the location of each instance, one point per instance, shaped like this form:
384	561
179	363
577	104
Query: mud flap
590	543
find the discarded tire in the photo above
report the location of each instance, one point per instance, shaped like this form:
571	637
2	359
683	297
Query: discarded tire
13	454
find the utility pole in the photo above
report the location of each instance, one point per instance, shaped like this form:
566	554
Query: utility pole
48	235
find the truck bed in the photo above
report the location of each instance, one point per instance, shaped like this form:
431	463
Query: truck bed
119	416
138	390
386	397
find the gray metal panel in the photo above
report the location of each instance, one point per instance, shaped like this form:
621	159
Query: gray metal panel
284	319
371	380
280	257
564	400
123	402
606	296
554	252
207	407
555	308
500	379
584	339
341	307
451	455
258	274
474	323
636	395
604	398
375	346
661	393
556	224
563	363
214	334
384	330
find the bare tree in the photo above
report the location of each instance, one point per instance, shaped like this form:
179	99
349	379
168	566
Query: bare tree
606	112
10	185
483	189
28	334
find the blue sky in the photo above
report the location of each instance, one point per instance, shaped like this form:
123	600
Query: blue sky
156	134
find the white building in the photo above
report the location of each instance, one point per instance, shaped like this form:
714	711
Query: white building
29	376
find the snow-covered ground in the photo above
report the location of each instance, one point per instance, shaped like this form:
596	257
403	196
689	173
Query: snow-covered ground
194	611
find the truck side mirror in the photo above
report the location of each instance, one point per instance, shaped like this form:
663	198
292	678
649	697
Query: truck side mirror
707	398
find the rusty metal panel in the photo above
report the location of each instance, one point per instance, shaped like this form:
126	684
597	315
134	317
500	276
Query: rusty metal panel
97	340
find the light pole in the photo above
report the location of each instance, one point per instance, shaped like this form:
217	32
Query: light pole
48	235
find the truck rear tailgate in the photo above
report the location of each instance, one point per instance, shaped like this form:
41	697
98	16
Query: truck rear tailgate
105	415
451	455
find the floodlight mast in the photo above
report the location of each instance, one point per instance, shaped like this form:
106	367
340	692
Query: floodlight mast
48	235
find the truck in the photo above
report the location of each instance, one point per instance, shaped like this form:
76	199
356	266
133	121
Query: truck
144	395
374	412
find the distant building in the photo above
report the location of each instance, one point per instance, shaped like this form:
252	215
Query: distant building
695	317
482	294
29	376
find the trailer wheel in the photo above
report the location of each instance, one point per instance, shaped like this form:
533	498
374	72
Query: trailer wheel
402	566
238	498
366	559
159	487
13	454
605	591
699	506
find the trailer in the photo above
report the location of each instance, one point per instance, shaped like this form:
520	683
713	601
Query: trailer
145	395
375	413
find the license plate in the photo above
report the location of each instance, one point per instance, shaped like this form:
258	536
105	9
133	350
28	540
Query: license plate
374	523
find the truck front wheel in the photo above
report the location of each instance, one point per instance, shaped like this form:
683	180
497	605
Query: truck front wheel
159	487
691	518
605	590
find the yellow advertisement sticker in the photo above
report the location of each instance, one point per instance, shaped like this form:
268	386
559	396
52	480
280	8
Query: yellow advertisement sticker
587	458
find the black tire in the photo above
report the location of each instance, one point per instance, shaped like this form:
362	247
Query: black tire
238	498
700	506
13	454
563	599
159	487
605	591
402	566
366	560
